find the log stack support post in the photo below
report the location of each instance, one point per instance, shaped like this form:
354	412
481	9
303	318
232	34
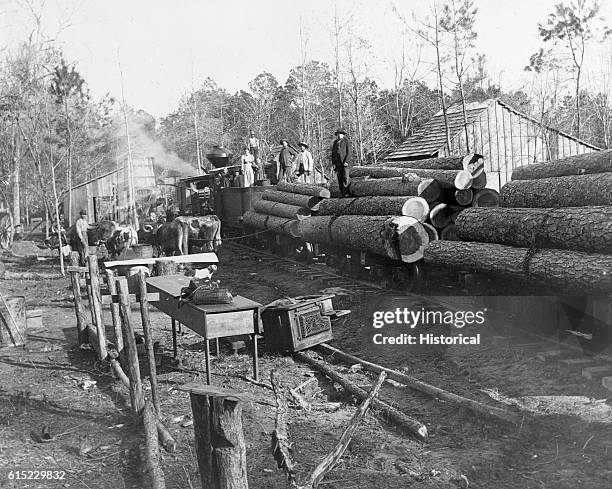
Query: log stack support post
219	439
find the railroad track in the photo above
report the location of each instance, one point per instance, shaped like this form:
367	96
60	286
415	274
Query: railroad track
571	358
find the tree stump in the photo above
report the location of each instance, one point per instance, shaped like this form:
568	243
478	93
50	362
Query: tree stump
220	445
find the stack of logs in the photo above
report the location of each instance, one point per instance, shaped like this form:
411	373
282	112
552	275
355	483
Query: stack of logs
280	210
553	229
428	194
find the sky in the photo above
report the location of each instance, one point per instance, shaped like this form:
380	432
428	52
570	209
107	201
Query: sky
165	49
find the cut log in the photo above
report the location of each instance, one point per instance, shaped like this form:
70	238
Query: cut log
387	412
463	180
449	232
445	178
281	210
416	207
447	163
431	231
375	206
303	189
430	390
299	200
560	271
440	215
487	197
400	238
479	182
463	197
429	189
456	210
474	164
407	185
595	162
566	191
279	225
569	228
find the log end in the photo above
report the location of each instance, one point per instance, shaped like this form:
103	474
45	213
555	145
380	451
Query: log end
463	180
416	207
409	239
429	190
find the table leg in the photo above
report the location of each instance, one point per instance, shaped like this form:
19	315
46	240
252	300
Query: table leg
216	347
180	328
255	359
174	350
207	354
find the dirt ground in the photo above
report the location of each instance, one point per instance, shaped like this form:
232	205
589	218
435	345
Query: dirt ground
62	411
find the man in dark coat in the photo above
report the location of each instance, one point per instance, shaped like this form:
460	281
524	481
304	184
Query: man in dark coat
285	161
341	161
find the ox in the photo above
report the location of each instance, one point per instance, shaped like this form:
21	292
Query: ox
171	238
123	237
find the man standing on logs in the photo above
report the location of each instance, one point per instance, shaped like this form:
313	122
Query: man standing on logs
341	161
304	163
285	161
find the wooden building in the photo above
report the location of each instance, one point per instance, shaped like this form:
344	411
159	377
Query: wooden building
504	136
107	196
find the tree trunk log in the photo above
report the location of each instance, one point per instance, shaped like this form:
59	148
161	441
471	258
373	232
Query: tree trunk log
595	162
463	197
567	191
449	232
400	238
487	197
440	215
303	189
429	189
279	225
445	178
431	231
572	272
479	182
447	163
569	228
281	210
407	185
299	200
375	206
417	385
414	427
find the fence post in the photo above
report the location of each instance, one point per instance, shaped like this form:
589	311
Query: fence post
129	342
148	334
96	303
79	307
112	289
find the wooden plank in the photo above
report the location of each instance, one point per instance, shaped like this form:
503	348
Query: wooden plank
76	268
115	298
195	258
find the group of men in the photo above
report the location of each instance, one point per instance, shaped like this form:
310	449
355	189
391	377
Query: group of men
298	165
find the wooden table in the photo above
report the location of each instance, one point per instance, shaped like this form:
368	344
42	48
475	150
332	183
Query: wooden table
211	321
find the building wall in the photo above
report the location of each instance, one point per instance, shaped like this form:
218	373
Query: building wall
508	140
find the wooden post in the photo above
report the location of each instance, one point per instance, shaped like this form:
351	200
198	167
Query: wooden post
79	307
148	334
155	473
220	446
114	307
131	355
96	302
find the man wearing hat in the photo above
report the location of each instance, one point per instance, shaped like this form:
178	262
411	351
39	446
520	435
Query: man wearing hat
304	163
285	161
80	241
341	161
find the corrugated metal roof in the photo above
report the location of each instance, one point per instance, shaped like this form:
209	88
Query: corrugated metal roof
431	137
